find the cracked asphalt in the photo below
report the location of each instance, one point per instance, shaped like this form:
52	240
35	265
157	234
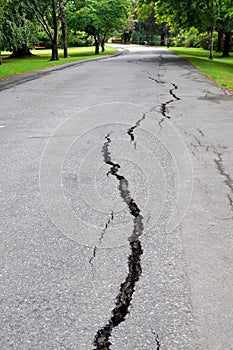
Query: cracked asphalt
116	207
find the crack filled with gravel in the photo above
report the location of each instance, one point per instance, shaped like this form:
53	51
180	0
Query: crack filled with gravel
127	288
164	109
131	130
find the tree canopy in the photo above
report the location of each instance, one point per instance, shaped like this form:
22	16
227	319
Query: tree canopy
20	20
100	18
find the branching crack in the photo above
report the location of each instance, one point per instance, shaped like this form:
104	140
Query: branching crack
127	288
131	130
163	108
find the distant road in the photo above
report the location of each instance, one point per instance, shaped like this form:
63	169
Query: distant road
117	207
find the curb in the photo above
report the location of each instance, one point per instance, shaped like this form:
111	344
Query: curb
15	80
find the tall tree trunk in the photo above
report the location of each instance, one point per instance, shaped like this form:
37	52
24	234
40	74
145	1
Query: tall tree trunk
162	39
211	42
54	56
0	58
64	29
22	51
97	44
55	34
102	43
226	47
220	41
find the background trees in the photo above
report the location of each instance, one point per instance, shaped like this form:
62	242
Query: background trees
17	28
204	15
100	19
21	22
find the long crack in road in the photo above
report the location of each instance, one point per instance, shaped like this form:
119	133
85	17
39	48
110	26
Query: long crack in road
127	288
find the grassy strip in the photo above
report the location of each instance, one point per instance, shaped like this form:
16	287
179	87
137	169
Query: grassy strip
42	60
220	69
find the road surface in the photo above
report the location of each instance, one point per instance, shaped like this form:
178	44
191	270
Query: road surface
116	207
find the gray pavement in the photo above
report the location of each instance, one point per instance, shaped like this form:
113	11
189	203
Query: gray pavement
116	207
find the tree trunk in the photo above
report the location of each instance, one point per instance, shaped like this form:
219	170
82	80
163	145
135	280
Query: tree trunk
54	56
102	43
19	52
220	41
0	58
97	45
162	39
226	47
211	42
55	34
64	29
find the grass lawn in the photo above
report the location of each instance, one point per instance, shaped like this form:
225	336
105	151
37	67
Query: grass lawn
42	57
219	69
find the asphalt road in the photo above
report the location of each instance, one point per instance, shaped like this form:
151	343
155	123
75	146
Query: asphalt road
116	207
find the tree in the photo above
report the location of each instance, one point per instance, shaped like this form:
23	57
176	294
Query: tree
17	29
226	24
100	19
148	23
201	14
205	15
63	27
46	13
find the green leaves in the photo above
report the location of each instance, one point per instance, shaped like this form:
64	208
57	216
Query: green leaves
101	17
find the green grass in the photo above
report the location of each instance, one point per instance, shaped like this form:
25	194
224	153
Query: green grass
219	69
42	60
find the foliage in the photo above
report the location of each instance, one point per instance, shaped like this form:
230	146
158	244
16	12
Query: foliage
17	27
206	16
192	38
100	18
79	39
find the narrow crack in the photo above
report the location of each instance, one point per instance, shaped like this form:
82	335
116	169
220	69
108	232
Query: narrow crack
106	227
131	130
220	166
156	80
111	218
157	340
127	288
199	142
172	93
93	256
228	180
201	132
230	201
